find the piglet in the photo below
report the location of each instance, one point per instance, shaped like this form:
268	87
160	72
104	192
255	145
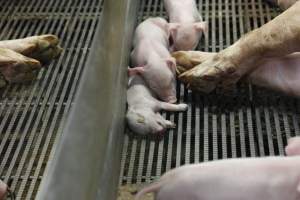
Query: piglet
269	178
152	60
293	147
143	115
5	191
186	25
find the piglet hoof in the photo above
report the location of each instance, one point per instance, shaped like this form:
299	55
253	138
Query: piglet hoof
182	107
172	126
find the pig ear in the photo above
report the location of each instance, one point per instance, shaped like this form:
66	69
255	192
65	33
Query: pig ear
171	62
202	26
136	70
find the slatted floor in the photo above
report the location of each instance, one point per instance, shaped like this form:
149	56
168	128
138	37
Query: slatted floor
32	116
251	122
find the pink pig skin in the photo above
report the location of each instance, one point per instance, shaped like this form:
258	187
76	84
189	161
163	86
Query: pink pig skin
281	74
293	147
186	25
271	178
3	190
152	60
143	115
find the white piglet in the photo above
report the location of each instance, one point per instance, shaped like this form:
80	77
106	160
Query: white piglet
152	60
270	178
186	24
143	115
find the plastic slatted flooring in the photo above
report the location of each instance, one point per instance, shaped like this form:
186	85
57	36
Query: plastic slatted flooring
32	115
251	122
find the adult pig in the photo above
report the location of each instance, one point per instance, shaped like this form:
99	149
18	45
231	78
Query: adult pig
280	74
186	25
231	64
272	178
143	115
293	147
152	60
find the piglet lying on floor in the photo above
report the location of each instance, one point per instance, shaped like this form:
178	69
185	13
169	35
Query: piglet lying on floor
143	109
270	178
186	25
152	60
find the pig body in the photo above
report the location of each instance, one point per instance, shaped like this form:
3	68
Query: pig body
272	178
280	74
186	25
293	147
152	60
143	115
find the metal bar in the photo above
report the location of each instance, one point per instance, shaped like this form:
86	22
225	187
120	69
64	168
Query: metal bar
96	95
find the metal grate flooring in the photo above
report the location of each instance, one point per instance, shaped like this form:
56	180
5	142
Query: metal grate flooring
32	115
251	122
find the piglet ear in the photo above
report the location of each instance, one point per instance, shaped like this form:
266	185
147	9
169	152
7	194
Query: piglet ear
171	62
202	26
136	70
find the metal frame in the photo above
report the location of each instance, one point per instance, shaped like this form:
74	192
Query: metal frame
86	161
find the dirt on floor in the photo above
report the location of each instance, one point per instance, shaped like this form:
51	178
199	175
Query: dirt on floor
127	192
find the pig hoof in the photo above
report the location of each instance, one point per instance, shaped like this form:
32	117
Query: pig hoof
47	48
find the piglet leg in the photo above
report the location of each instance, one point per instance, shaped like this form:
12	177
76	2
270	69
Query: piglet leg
173	107
165	123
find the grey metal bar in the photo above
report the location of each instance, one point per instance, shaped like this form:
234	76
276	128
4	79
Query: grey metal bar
91	142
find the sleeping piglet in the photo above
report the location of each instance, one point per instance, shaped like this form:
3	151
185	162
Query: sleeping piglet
143	115
186	25
152	60
293	147
269	178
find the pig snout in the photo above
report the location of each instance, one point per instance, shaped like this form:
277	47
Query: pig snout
293	147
